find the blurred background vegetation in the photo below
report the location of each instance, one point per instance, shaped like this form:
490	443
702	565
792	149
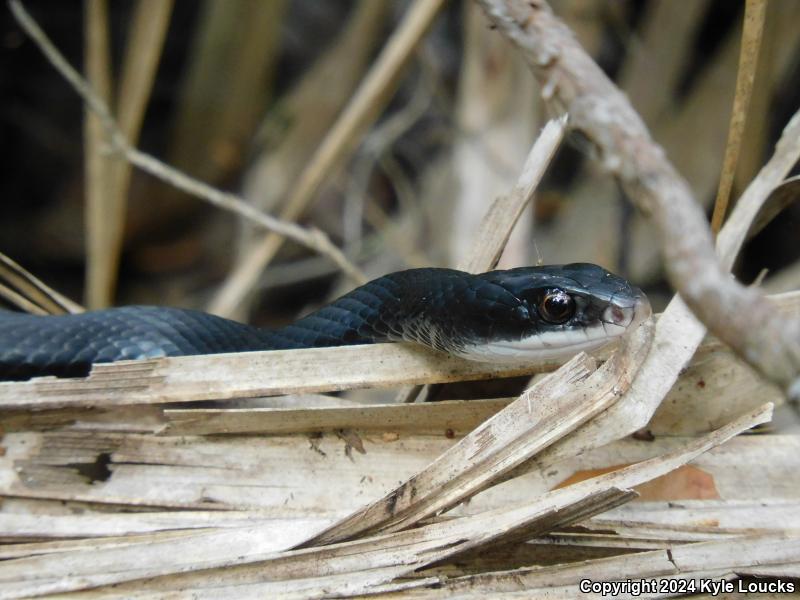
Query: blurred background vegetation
244	91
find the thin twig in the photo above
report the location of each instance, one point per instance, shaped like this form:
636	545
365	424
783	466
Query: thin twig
310	237
754	14
574	83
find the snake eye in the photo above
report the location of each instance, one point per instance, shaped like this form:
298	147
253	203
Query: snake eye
557	306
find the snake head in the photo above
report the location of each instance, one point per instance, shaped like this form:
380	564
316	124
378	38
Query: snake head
551	312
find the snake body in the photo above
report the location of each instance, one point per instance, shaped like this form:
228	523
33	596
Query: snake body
528	313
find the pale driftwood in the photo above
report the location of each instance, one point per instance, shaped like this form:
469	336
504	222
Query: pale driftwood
408	550
549	410
84	528
250	374
573	82
701	518
687	561
267	474
453	417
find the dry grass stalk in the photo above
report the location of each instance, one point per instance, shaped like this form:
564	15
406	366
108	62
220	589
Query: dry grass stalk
310	237
366	105
754	15
146	40
701	162
574	82
505	211
777	41
98	166
33	291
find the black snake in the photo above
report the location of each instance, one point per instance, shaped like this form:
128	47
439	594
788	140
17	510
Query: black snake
523	314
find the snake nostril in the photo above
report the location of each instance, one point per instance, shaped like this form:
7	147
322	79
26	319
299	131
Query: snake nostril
617	315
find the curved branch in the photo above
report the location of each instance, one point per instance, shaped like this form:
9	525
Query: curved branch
573	82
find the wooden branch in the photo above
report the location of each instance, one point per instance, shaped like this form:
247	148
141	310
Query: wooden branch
573	83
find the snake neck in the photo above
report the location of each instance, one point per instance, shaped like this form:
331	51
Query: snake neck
371	313
414	305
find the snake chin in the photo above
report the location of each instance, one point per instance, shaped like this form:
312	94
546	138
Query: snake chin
533	350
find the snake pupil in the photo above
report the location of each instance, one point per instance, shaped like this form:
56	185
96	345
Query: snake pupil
557	306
